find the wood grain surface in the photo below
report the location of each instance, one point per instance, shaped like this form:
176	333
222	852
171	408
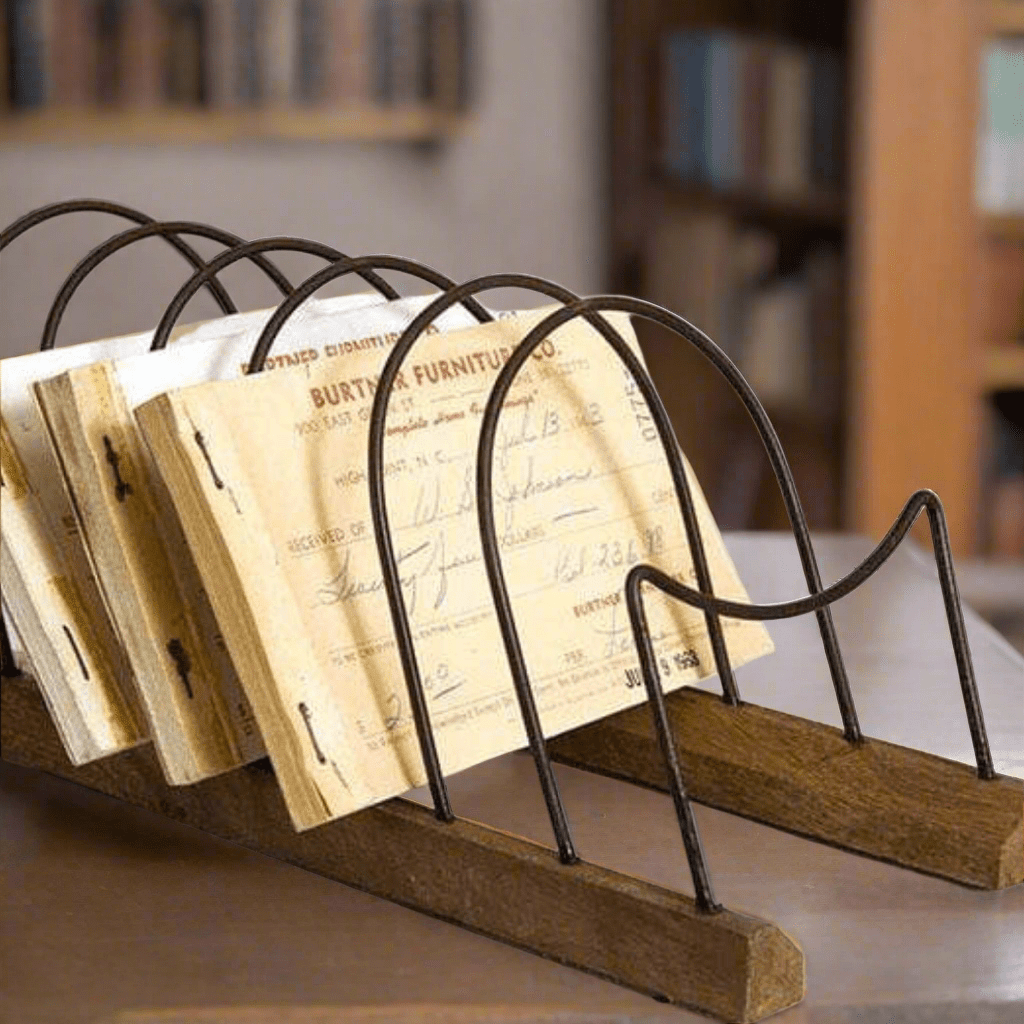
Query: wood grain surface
644	936
901	805
139	911
414	1014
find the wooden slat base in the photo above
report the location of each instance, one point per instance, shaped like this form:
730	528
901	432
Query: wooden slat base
637	934
904	806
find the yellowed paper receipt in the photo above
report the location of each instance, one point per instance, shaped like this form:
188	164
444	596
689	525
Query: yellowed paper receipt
277	464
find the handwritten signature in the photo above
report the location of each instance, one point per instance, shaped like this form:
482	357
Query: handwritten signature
514	492
428	559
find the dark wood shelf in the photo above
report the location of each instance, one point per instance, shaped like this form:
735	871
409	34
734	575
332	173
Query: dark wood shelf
174	126
815	208
1006	17
1007	226
1003	368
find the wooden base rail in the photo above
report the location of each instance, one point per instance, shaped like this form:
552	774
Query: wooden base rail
900	805
637	934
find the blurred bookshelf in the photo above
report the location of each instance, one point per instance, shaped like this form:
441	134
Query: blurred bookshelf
1006	226
83	72
1004	368
1005	17
1000	198
187	127
779	175
730	206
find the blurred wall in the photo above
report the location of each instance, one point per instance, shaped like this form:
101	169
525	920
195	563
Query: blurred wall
522	189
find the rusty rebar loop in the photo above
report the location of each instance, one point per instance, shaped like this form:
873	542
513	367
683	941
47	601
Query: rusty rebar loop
776	456
157	229
382	534
244	251
43	214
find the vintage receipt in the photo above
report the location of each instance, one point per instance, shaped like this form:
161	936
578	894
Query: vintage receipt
269	476
49	586
199	719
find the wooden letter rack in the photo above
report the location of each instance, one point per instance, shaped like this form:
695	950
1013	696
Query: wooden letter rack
832	785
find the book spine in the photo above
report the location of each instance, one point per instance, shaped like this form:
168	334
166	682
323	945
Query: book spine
826	118
719	132
109	26
406	52
220	57
1000	179
46	17
776	345
465	15
280	52
74	60
5	87
676	158
788	157
698	71
26	45
185	47
446	59
426	52
739	49
824	273
754	112
248	35
143	53
311	47
385	37
348	62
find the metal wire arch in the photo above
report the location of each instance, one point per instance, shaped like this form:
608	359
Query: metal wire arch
51	211
922	500
402	628
43	214
106	249
284	243
339	269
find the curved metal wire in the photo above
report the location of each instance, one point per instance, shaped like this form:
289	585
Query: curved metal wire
531	719
499	591
776	456
45	213
165	228
403	634
921	500
244	251
344	266
42	214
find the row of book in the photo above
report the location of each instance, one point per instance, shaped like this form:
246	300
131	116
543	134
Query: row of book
189	555
222	54
752	113
1003	525
779	323
1000	177
1002	302
780	319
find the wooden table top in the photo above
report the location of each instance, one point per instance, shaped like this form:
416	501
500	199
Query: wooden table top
108	908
